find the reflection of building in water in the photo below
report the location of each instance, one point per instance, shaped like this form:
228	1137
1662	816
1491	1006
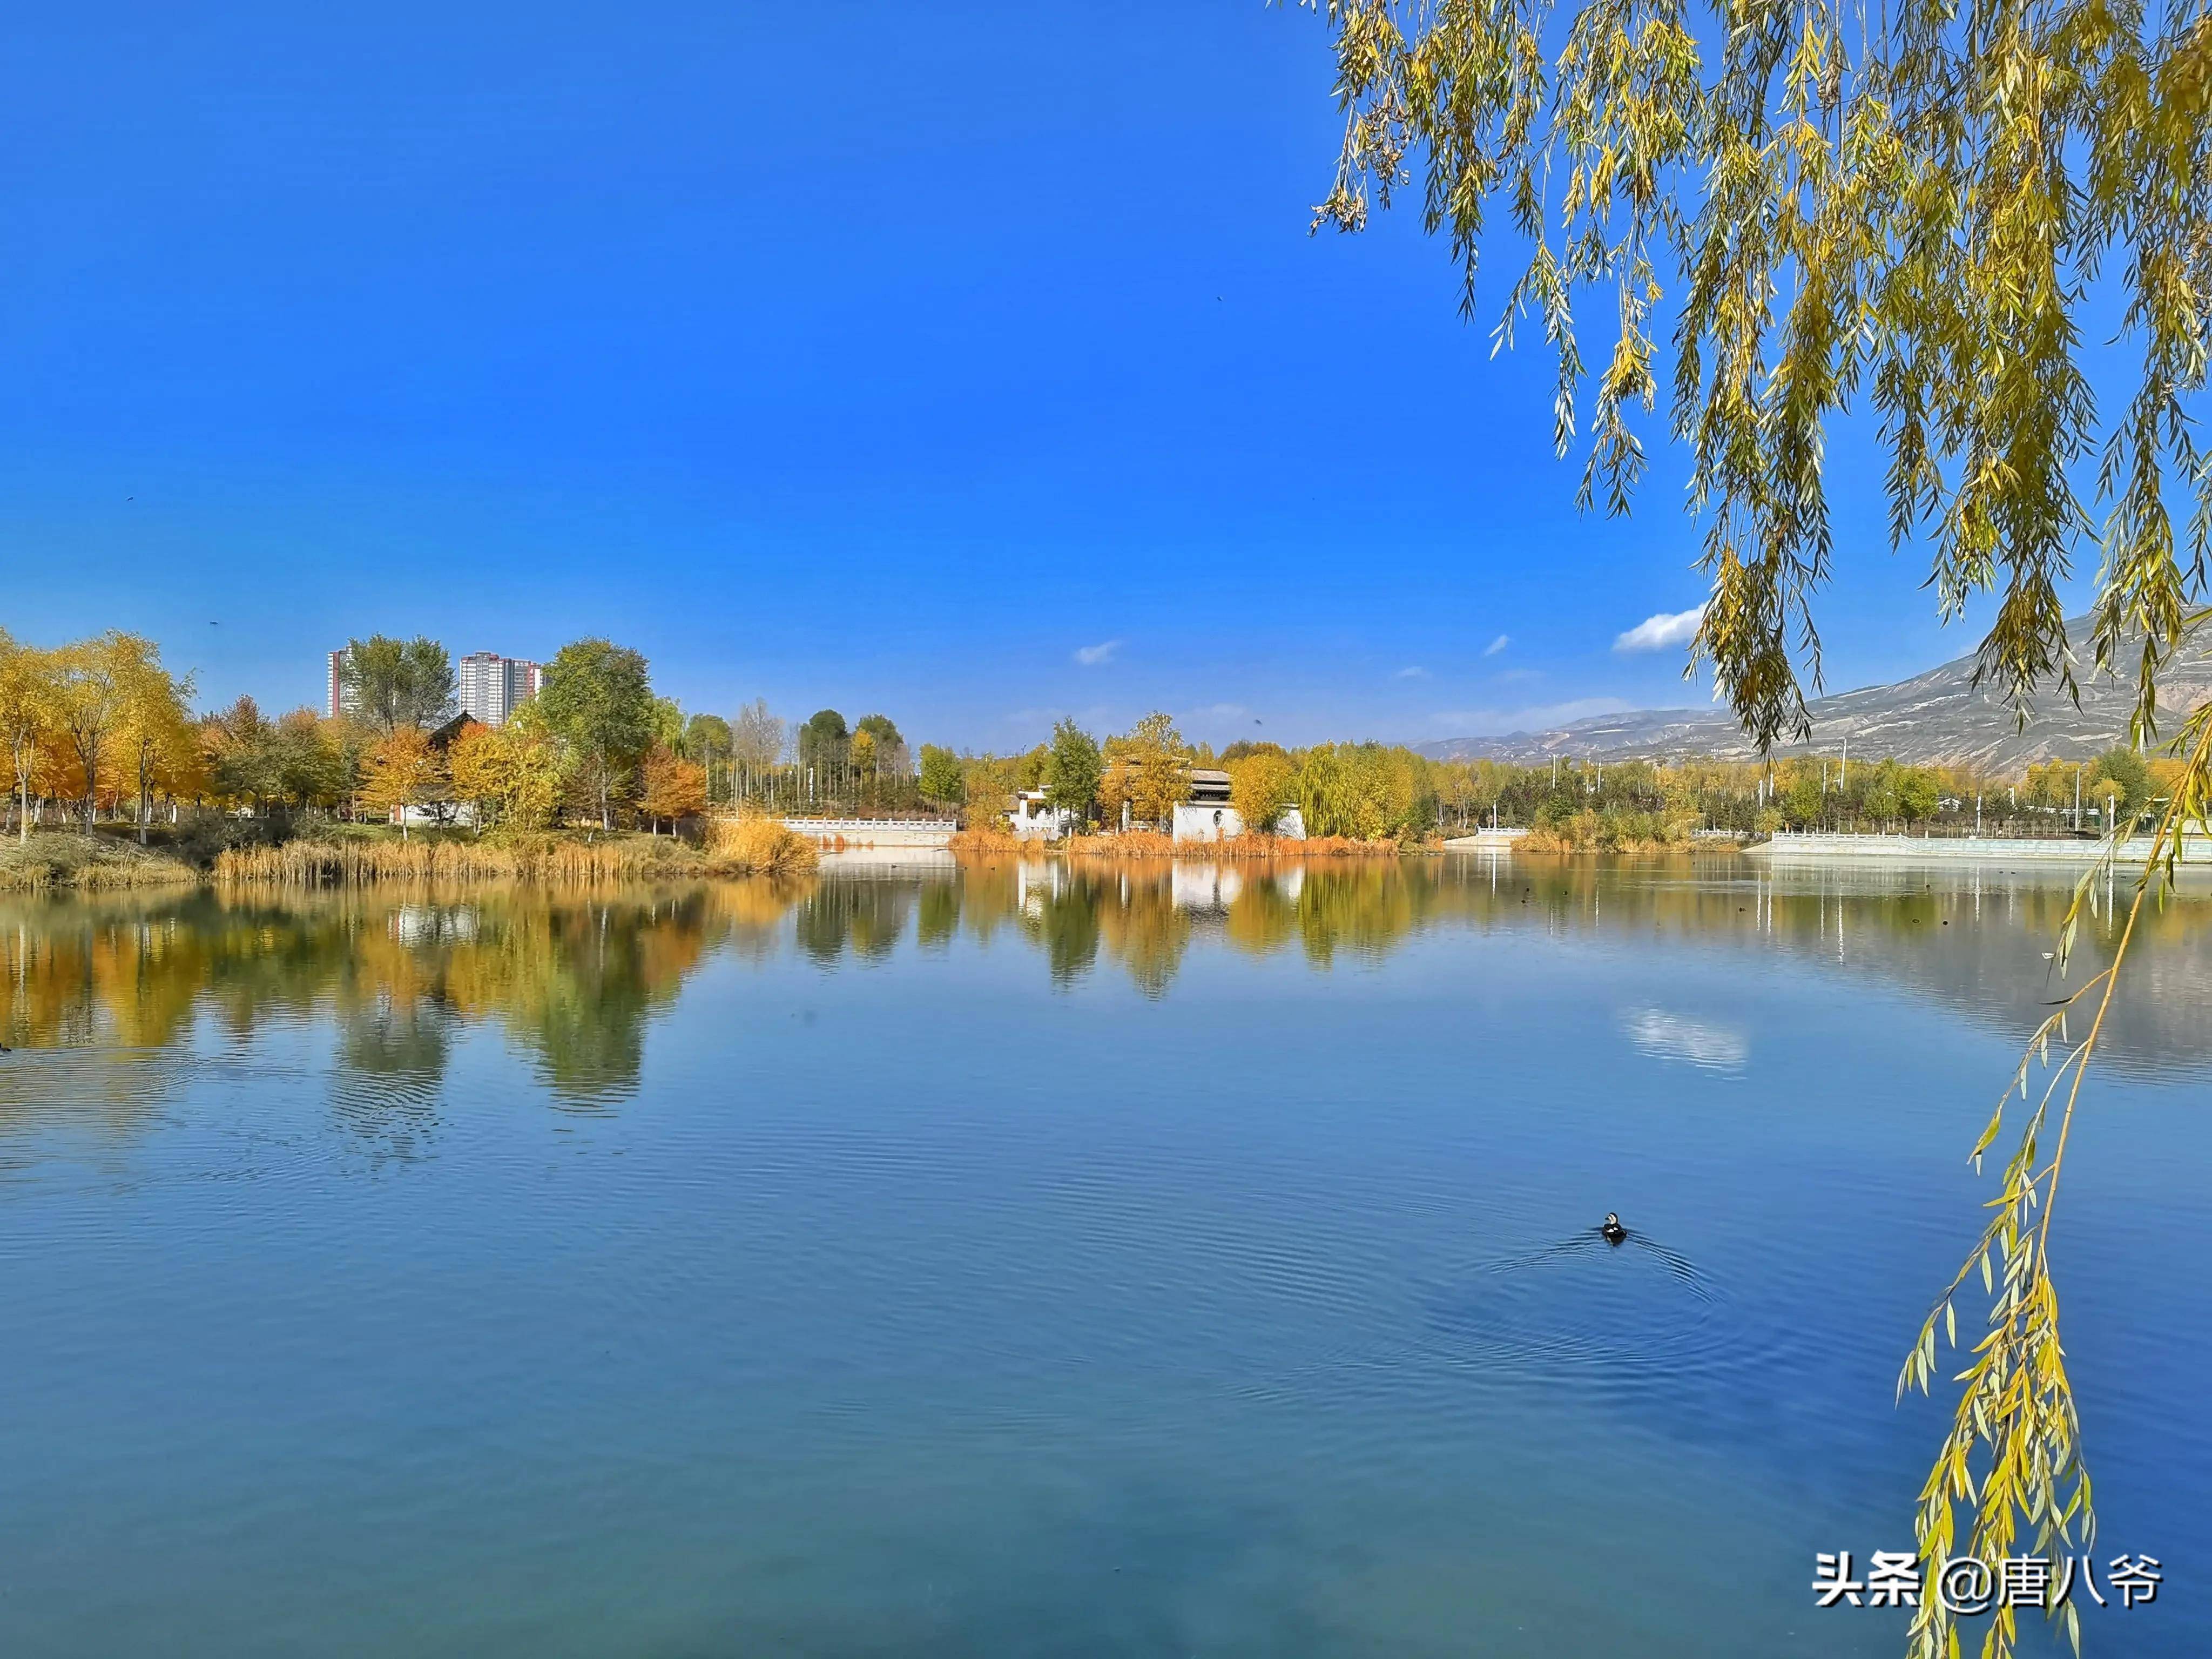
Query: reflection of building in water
1035	886
1195	886
427	924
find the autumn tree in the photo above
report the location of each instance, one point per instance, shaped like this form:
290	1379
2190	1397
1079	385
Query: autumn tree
1147	770
513	773
93	690
599	700
27	715
475	763
403	770
155	728
1259	785
672	788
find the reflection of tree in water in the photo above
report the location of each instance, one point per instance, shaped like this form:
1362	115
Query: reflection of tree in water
865	915
1068	924
1144	930
937	914
574	977
390	1062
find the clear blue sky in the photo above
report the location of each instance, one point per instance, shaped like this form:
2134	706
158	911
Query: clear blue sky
877	355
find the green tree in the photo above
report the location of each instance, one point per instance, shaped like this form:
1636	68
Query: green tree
598	700
393	682
824	742
707	739
1073	770
1917	795
2122	775
941	777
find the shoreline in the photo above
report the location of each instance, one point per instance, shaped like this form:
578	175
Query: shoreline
1956	849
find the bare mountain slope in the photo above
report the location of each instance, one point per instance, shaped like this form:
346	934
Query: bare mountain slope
1940	716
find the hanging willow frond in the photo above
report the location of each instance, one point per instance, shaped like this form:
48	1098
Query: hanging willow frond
2017	1406
1906	209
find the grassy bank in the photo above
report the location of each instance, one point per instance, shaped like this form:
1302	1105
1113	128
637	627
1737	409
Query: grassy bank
68	858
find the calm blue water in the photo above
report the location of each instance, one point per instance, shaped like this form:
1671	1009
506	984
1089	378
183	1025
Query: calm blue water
916	1263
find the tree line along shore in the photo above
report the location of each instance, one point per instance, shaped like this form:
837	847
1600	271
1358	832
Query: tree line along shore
599	776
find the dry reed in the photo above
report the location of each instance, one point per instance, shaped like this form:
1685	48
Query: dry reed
756	845
354	863
62	859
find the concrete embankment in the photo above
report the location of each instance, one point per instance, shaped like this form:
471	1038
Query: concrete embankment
1953	849
845	834
1484	840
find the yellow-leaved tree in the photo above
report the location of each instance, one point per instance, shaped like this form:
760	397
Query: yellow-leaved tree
403	770
28	714
1259	785
1148	770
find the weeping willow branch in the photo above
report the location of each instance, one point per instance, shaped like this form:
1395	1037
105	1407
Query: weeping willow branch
2017	1406
1903	208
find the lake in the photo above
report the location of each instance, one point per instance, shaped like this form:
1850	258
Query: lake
1015	1260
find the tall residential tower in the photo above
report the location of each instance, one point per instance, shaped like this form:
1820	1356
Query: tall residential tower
493	687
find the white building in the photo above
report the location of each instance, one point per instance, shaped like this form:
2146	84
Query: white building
493	687
1032	820
1207	815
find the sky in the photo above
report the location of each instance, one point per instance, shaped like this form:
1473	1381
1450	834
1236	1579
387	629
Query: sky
971	363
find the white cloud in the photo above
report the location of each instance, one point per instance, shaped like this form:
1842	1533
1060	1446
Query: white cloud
1093	656
1411	674
1490	722
1496	644
1657	633
1679	1037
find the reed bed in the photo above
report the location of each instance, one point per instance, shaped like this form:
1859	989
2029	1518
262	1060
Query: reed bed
1609	831
359	863
756	844
52	860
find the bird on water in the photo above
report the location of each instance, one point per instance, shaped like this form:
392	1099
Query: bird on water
1611	1229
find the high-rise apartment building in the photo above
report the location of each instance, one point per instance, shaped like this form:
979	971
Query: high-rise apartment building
493	687
343	699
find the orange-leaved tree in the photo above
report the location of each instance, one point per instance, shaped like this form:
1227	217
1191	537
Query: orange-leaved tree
403	770
673	788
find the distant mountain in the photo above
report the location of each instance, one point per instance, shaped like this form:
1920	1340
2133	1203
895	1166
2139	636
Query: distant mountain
1940	716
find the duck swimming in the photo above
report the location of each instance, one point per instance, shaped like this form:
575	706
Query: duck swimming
1612	1230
